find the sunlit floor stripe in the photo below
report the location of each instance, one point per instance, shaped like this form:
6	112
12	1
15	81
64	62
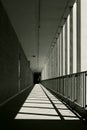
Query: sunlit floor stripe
26	116
38	101
38	106
61	106
57	102
71	118
38	111
66	113
39	97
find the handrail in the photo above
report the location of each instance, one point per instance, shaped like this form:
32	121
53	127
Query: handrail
65	75
72	86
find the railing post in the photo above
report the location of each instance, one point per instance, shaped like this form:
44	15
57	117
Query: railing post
85	91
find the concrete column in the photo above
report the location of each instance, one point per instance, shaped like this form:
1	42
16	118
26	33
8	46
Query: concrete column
68	44
53	63
78	36
58	60
50	65
71	41
60	55
61	52
49	68
66	48
55	56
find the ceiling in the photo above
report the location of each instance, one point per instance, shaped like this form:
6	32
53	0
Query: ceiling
34	26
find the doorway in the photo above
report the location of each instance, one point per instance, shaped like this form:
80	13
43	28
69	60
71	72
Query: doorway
37	77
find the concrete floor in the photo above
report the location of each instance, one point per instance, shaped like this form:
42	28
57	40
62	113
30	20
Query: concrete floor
38	106
41	110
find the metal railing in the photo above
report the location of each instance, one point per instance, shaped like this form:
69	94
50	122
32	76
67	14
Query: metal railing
73	87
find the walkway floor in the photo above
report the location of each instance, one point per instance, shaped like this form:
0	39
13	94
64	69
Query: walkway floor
41	104
38	110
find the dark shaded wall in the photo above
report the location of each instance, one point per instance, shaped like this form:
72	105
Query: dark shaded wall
26	75
10	53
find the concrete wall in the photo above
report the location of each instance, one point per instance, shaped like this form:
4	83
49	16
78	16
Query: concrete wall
26	75
10	53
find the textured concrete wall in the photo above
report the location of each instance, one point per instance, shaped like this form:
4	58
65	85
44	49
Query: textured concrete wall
26	77
10	50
